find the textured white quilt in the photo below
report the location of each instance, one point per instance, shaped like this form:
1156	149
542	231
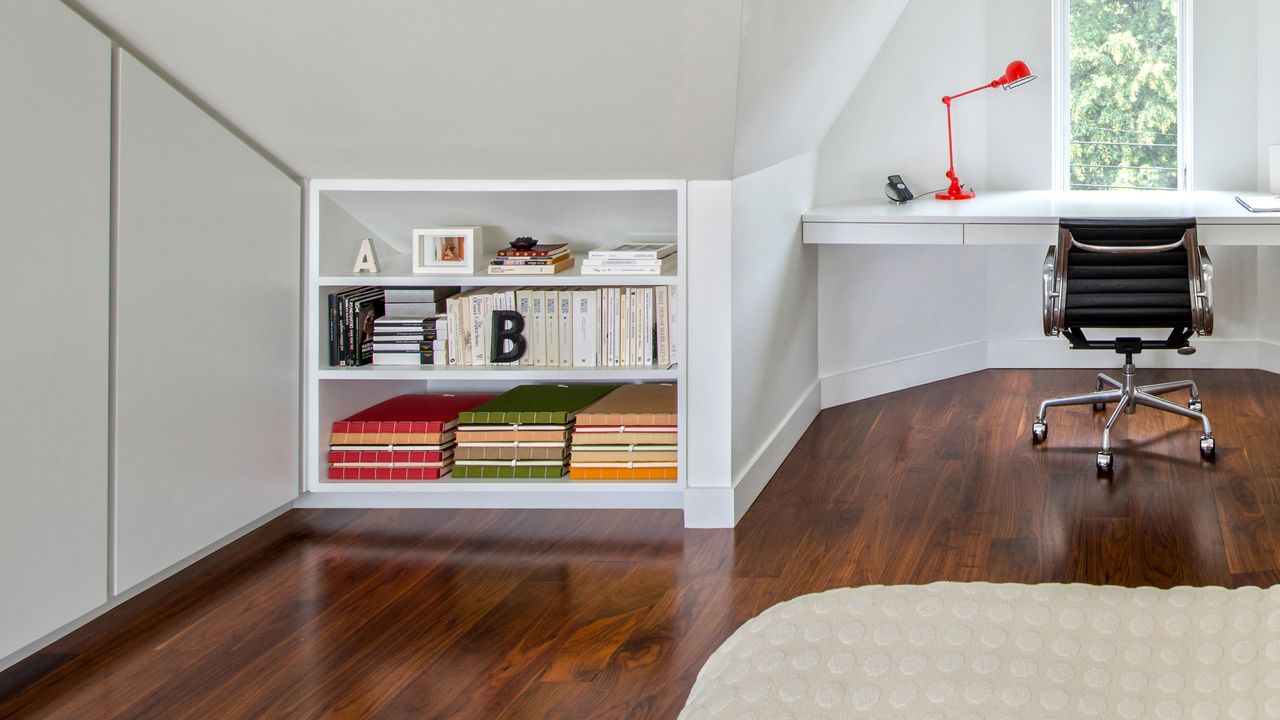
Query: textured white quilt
977	650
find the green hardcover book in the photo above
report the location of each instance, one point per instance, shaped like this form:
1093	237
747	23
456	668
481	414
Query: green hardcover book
536	405
495	472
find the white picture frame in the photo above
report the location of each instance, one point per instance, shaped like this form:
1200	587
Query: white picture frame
446	251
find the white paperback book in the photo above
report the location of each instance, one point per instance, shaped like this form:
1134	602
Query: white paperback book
634	251
585	327
566	328
524	306
551	318
663	329
538	334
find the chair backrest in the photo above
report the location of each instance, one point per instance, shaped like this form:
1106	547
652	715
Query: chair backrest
1128	273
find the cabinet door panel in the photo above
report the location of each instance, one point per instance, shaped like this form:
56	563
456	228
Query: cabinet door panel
208	271
54	230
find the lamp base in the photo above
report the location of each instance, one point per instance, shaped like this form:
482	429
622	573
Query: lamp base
955	192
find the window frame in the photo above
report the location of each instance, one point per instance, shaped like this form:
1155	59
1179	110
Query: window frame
1062	96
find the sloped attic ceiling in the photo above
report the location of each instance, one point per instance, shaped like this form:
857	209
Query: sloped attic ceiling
513	89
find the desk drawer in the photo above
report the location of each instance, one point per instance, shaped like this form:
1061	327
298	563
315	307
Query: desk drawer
883	233
1043	235
1210	235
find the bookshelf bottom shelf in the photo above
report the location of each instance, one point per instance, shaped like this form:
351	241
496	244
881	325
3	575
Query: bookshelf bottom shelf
491	494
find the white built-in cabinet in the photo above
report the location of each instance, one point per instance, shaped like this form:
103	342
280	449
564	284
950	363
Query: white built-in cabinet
208	293
149	384
55	134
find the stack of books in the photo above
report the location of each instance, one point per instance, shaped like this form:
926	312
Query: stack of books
523	433
632	259
537	260
410	340
405	439
629	435
352	313
417	302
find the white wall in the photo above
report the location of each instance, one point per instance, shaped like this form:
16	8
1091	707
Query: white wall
895	121
1268	93
1020	124
207	331
442	89
1225	46
774	308
798	62
55	179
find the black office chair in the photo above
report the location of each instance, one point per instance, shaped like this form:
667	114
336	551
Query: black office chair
1127	275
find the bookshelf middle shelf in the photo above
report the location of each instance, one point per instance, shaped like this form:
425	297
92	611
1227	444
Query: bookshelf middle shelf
502	372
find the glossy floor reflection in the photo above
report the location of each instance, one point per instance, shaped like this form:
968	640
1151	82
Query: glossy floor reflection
576	614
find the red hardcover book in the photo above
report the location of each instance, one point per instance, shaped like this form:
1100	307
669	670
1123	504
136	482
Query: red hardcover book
417	413
385	474
389	457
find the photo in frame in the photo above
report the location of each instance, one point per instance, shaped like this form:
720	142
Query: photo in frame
446	250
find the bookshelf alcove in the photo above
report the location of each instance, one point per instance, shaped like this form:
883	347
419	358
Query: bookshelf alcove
588	215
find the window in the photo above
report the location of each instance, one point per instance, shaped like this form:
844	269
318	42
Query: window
1122	89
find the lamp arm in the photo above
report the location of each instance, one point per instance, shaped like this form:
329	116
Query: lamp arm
980	88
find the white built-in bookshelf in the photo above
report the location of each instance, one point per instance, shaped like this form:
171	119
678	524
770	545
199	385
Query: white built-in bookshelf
589	214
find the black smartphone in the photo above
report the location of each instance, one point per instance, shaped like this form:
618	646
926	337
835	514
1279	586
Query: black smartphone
897	190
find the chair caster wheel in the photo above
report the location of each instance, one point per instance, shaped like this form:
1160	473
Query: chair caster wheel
1099	407
1039	431
1195	405
1104	462
1207	447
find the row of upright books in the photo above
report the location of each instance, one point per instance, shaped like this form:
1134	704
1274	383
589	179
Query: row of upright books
562	327
591	432
569	327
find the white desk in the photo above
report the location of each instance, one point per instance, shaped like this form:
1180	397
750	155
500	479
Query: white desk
1030	218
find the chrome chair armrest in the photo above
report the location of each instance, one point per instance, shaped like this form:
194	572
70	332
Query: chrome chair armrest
1052	297
1202	294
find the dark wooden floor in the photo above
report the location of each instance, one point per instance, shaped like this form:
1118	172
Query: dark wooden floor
533	614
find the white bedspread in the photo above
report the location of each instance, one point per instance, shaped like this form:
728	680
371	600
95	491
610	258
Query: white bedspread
977	650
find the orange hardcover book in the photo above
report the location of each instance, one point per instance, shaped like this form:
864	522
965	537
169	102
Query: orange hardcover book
642	404
597	474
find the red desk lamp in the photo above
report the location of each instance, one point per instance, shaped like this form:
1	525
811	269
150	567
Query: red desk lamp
1016	74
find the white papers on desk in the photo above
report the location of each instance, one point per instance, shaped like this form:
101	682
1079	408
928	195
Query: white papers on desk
1259	203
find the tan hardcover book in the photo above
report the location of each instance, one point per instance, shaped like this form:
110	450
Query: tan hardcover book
643	404
595	456
391	438
623	438
510	452
511	436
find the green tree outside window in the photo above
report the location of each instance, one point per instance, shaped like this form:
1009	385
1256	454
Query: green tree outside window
1124	94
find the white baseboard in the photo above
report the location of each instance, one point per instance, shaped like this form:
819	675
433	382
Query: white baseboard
892	375
761	467
120	599
1049	352
709	507
1269	356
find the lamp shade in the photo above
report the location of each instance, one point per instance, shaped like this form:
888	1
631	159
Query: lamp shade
1017	73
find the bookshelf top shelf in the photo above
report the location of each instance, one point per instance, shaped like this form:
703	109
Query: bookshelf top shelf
572	277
